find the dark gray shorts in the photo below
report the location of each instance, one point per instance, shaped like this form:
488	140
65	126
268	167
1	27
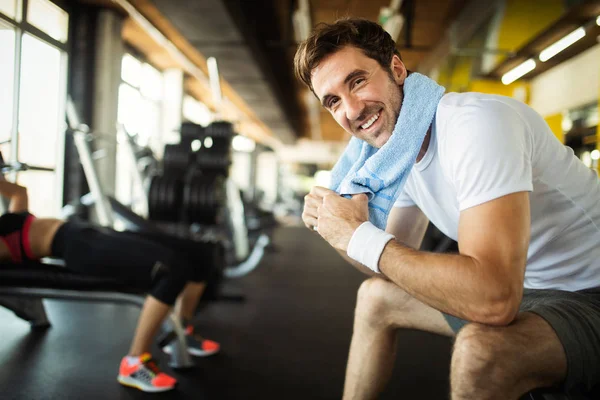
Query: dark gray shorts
575	317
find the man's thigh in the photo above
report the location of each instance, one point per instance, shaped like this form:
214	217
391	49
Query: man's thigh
575	318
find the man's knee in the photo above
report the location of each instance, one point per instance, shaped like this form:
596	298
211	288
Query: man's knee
481	356
377	298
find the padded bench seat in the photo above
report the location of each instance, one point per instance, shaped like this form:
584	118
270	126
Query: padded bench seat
22	288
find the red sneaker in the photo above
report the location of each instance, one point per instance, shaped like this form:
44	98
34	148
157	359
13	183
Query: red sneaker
197	345
145	375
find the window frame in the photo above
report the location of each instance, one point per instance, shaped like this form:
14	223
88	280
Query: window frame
22	27
25	26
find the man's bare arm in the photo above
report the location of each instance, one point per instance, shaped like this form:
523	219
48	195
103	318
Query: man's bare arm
407	224
484	283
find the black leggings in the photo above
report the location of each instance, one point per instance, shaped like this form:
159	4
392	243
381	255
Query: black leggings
125	257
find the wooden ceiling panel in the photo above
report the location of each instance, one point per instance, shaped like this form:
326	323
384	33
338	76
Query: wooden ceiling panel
154	53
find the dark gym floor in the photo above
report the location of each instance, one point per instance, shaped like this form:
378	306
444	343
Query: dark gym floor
288	340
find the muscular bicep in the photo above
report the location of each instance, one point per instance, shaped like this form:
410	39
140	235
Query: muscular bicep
495	235
408	225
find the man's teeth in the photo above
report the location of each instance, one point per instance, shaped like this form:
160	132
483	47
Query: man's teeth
370	122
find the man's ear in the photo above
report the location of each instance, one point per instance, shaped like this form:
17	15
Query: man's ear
398	70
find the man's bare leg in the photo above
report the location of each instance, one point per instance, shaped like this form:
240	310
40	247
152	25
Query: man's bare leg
382	308
490	363
153	314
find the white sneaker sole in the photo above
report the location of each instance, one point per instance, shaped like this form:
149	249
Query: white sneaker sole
134	383
192	351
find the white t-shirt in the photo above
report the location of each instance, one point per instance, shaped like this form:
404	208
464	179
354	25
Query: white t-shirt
485	146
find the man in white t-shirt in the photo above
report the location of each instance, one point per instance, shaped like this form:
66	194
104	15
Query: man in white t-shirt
521	298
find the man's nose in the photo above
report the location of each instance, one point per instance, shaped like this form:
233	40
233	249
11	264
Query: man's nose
354	109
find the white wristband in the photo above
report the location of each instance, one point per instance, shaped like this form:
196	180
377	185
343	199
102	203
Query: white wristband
367	244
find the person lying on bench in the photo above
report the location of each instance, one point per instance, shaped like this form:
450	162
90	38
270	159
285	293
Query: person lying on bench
103	252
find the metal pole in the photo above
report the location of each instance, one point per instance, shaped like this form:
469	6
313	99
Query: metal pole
136	174
102	205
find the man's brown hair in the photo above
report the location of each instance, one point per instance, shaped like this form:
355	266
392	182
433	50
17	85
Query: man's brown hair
327	39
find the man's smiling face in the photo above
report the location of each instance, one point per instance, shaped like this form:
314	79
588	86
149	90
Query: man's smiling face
363	97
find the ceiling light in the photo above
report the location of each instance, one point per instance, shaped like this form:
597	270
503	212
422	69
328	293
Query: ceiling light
562	44
518	71
598	20
595	155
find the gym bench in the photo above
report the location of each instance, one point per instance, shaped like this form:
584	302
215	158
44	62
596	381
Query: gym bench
23	287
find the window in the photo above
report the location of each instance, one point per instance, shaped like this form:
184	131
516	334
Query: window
49	18
7	55
129	108
151	86
140	112
196	112
140	97
32	99
131	70
39	138
11	8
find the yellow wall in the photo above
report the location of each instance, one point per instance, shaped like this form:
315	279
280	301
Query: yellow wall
497	87
461	75
524	20
554	121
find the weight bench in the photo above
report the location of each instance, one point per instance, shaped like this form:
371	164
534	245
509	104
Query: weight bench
22	288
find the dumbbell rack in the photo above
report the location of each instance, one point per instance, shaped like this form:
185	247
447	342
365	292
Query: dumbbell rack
191	188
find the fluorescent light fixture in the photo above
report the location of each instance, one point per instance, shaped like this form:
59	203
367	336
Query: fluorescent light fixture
518	71
562	44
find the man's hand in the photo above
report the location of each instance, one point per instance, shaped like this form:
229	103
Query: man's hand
338	218
312	202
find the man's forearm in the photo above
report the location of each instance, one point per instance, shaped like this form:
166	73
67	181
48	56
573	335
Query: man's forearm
452	283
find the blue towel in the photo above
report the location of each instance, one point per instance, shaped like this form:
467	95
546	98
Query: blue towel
381	173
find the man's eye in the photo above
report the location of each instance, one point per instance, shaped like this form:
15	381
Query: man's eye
359	81
332	102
